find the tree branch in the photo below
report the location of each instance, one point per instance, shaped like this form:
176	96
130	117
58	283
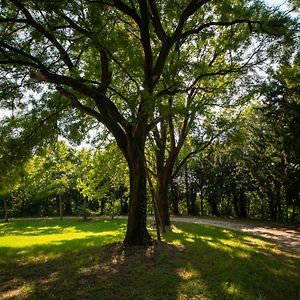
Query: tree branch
157	22
63	54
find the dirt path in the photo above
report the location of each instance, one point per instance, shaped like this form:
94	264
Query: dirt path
289	237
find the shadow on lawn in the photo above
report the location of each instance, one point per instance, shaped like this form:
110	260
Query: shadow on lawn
105	272
199	262
242	270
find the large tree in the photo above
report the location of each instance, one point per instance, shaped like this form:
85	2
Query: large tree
111	60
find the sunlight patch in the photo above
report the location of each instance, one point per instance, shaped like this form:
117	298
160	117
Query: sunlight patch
231	288
176	229
190	240
12	294
18	241
188	272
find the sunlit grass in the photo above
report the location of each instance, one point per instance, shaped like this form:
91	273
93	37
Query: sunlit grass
72	259
20	241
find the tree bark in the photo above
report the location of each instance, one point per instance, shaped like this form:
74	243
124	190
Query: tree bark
163	198
5	210
137	233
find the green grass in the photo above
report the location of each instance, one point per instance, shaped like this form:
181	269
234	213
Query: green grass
73	259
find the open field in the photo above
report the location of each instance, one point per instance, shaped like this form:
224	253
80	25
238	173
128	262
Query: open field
73	259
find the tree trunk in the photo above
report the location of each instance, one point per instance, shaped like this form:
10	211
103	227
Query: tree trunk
84	208
68	207
201	201
243	205
163	199
175	199
137	233
102	206
193	199
214	208
187	192
60	208
5	210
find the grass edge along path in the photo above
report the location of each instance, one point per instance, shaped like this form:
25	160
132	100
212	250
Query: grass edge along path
72	259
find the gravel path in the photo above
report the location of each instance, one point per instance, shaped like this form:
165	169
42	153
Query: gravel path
289	237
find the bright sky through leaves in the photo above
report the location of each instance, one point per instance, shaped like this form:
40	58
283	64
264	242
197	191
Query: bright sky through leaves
269	2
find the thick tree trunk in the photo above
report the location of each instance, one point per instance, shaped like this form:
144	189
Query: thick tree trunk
137	233
5	210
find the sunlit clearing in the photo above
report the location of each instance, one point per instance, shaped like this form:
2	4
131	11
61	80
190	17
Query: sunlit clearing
18	241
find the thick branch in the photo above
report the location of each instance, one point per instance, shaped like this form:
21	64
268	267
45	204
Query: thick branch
192	7
146	43
103	118
157	22
106	75
105	106
77	104
127	10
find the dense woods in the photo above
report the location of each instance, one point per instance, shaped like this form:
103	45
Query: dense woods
186	107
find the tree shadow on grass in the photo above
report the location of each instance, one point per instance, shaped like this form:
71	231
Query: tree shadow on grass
235	265
195	262
101	272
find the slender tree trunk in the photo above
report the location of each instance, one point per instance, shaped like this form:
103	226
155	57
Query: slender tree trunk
163	199
214	208
102	206
5	210
193	198
60	207
187	192
137	233
175	200
201	202
156	212
84	208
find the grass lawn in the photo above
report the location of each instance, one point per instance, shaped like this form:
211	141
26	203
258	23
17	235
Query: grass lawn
73	259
